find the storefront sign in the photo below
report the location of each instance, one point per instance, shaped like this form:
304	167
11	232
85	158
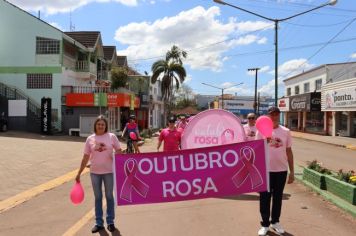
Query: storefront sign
46	115
283	104
191	174
300	103
101	99
340	98
315	101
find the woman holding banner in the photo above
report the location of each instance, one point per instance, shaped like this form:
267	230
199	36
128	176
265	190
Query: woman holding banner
281	157
99	148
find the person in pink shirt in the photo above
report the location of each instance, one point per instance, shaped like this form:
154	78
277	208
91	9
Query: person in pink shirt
182	123
250	128
280	158
99	149
171	137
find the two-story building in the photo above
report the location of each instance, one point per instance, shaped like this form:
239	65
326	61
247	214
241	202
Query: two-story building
71	70
301	104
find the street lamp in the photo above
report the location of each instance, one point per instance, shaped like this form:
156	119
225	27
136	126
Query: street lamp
276	21
222	91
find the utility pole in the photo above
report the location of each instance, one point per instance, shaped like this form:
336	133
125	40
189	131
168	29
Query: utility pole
222	98
258	104
255	100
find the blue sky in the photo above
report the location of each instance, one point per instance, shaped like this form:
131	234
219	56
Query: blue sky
222	42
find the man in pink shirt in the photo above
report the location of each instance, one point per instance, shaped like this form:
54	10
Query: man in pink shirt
280	158
250	128
170	136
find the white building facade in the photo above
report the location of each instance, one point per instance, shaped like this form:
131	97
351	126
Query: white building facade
305	93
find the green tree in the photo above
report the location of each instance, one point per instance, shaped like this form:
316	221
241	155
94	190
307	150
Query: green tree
170	71
119	77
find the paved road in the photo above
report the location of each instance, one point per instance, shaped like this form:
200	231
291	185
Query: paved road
332	157
28	160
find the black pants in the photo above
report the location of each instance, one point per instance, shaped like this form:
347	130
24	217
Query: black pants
277	181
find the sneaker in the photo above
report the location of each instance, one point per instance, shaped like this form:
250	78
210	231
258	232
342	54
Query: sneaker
96	229
278	228
263	231
111	227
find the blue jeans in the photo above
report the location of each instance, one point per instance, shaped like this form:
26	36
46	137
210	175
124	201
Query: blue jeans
96	181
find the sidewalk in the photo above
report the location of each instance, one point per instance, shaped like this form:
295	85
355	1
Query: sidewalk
349	143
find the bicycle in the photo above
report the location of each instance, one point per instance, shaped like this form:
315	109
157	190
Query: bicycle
129	148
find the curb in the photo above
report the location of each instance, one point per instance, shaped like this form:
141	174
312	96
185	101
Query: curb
343	205
347	146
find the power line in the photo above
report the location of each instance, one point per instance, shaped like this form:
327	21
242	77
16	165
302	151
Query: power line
317	26
290	48
322	47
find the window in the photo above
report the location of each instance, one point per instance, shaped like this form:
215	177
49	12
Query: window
306	88
296	90
39	81
318	84
47	46
289	91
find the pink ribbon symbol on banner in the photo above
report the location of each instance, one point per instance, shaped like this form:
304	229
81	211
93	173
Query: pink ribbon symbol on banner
227	136
248	169
132	182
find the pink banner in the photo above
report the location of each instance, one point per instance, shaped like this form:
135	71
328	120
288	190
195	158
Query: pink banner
191	174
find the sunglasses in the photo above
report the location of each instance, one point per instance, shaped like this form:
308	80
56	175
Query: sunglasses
251	118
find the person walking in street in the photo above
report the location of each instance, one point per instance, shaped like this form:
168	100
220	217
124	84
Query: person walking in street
99	148
280	158
182	123
171	137
250	128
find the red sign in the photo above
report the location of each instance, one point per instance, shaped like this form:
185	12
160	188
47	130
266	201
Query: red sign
113	100
282	103
80	99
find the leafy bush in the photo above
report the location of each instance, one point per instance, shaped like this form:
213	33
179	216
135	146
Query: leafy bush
348	177
317	166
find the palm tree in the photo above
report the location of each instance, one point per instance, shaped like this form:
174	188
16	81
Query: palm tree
170	71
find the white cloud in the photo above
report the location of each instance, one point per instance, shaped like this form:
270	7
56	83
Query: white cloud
287	69
293	67
61	6
249	26
188	78
54	24
261	70
353	55
191	30
240	90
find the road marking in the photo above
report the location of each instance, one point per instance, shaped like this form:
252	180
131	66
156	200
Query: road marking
83	221
28	194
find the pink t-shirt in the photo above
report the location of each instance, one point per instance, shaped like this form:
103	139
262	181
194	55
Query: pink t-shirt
181	125
171	139
101	148
281	140
250	132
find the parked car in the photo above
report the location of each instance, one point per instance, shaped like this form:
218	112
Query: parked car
3	123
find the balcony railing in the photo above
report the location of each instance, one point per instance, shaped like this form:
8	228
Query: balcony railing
85	66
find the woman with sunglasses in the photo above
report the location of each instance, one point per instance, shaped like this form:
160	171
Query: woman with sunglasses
250	128
130	127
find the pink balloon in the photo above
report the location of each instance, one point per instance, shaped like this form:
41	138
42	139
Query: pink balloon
133	136
264	125
77	194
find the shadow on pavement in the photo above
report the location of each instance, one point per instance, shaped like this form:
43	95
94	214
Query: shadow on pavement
28	135
250	197
275	234
105	233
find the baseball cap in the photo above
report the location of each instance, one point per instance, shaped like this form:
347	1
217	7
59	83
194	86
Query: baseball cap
172	119
273	110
